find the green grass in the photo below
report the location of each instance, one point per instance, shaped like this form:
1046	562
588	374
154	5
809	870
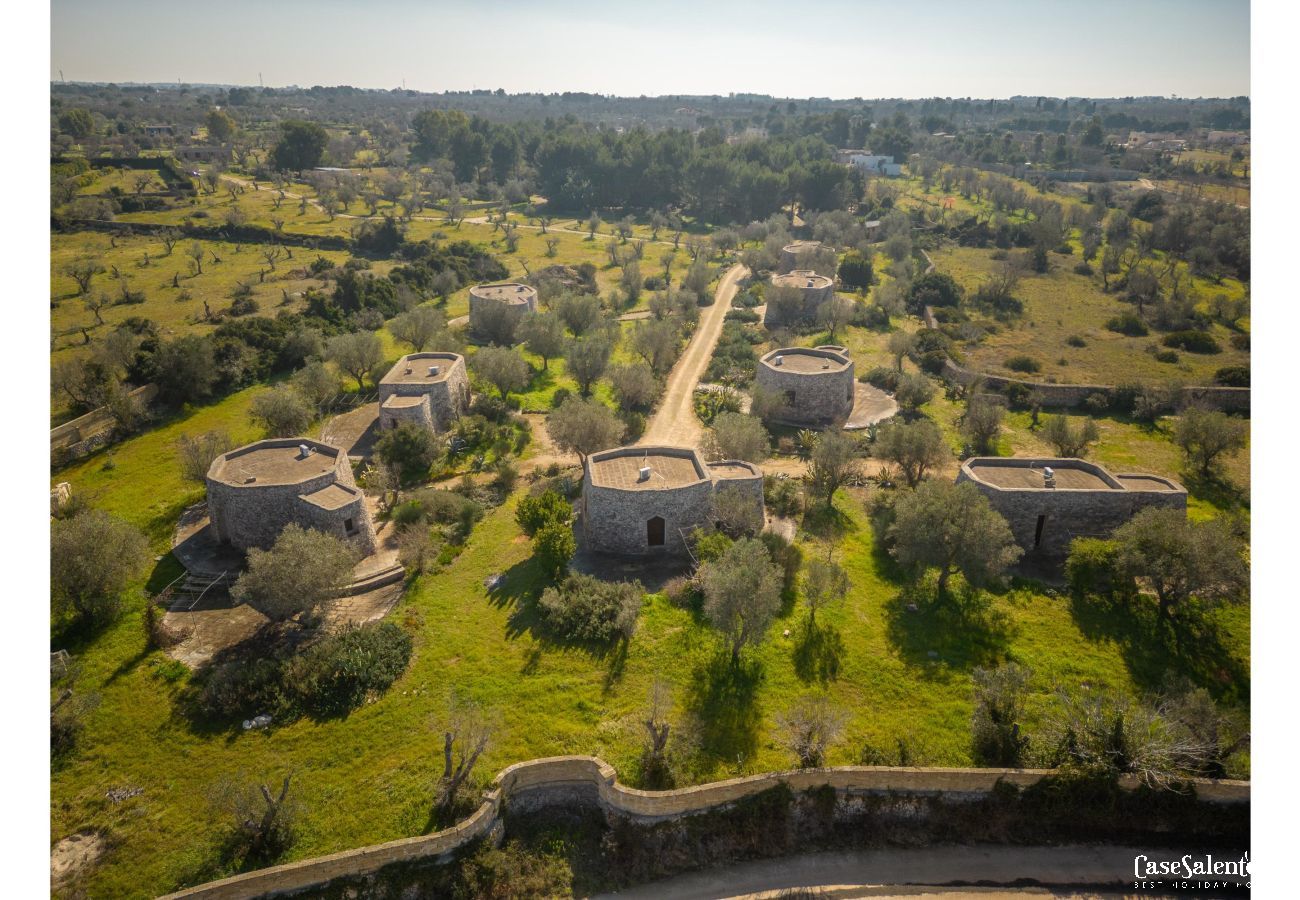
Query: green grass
1061	304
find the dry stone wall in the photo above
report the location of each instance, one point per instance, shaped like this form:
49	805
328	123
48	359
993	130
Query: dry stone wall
811	398
587	779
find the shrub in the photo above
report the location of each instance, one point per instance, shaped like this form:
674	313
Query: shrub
709	545
1166	356
1023	363
1192	341
1128	324
243	306
585	608
1233	376
535	513
781	495
1097	402
554	546
410	449
883	377
1092	568
560	395
1075	341
244	687
342	671
747	316
1083	268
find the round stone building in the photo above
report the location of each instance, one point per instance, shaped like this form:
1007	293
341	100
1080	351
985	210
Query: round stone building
514	299
816	384
429	389
638	501
258	489
790	253
813	291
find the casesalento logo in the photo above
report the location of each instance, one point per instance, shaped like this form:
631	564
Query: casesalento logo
1189	866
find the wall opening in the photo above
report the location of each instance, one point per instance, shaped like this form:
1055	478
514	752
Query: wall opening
654	532
349	526
1038	531
789	398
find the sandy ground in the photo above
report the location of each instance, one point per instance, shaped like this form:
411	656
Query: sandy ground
75	854
674	424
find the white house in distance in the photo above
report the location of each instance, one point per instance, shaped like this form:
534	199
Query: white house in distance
871	163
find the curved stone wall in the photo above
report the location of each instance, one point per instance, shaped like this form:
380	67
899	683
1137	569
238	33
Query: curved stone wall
518	301
252	515
814	289
817	397
544	782
790	253
448	397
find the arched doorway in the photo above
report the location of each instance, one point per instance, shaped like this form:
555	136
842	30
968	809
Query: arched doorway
654	531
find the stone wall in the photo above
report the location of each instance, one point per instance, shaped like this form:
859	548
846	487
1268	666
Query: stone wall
1067	514
390	416
87	433
813	296
514	310
448	397
253	515
790	254
819	397
580	779
614	520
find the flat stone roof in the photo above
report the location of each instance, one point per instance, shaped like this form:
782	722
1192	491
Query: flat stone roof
1149	483
414	368
397	401
670	467
803	278
332	496
798	246
273	462
1022	474
734	468
507	292
806	360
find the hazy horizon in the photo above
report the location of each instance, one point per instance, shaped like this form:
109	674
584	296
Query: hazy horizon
826	48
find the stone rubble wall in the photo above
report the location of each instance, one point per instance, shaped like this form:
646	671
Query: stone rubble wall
614	521
820	397
567	779
392	416
448	398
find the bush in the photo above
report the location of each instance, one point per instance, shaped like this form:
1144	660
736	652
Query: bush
1083	269
1128	324
781	495
1233	376
1075	341
747	316
244	687
1192	341
1023	363
553	547
1166	356
1097	402
243	306
585	608
1092	568
341	672
560	395
535	513
883	377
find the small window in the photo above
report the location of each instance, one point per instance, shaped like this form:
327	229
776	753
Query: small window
654	532
349	526
789	398
1038	531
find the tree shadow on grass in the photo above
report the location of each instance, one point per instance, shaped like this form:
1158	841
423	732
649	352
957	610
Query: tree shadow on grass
818	650
827	523
1152	647
944	635
720	697
1217	490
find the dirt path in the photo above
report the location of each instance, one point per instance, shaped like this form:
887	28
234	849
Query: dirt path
997	870
674	423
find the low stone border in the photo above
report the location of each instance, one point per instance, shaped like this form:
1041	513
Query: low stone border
540	782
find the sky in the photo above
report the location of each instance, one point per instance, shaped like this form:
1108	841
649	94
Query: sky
795	48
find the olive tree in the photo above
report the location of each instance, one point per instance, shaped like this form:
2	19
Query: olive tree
835	462
281	411
584	426
1206	436
587	360
1180	559
502	368
302	570
809	727
915	447
93	558
358	353
197	452
952	528
1067	438
737	436
982	422
742	593
419	327
542	334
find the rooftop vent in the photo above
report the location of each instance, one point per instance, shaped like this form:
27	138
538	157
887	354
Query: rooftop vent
778	361
303	451
409	370
810	282
826	365
520	289
433	370
643	473
1049	477
250	479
